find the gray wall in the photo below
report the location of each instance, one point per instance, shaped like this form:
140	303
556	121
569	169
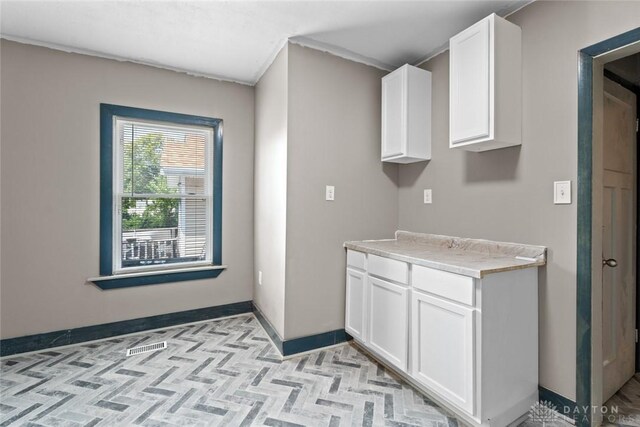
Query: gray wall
50	187
270	215
508	194
334	139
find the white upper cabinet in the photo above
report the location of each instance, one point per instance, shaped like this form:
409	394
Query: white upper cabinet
406	115
485	98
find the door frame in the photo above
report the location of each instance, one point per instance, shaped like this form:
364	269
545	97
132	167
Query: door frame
589	236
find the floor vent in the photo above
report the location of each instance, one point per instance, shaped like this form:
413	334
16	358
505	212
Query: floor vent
146	348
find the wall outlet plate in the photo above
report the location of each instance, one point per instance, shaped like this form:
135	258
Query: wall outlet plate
562	192
330	192
427	196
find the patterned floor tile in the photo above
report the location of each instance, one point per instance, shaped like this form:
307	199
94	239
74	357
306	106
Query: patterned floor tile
624	406
223	372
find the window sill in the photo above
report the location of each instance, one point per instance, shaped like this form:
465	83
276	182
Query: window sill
143	278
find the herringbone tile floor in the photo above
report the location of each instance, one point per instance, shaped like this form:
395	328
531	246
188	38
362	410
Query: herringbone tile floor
624	406
221	372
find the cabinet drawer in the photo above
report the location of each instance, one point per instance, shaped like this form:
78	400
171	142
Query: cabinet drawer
451	286
356	259
391	269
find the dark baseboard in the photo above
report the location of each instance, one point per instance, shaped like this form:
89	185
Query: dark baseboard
46	340
564	406
269	329
312	342
89	333
302	344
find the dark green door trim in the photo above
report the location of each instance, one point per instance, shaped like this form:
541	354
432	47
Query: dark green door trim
585	181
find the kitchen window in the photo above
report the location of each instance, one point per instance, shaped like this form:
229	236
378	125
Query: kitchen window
160	197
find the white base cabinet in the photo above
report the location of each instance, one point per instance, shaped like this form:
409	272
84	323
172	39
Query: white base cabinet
470	344
388	320
443	348
354	315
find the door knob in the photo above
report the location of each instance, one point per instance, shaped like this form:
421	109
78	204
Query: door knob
609	262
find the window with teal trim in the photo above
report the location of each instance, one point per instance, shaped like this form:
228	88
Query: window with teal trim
160	197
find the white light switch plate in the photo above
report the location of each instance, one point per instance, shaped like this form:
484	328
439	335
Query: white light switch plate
562	192
330	192
427	196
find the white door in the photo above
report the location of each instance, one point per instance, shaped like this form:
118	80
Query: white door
470	86
393	113
354	315
618	240
444	348
389	321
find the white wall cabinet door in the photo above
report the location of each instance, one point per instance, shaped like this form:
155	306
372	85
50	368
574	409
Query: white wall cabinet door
388	324
469	74
356	303
393	107
485	97
444	348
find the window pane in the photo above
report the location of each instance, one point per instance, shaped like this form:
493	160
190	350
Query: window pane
163	230
157	159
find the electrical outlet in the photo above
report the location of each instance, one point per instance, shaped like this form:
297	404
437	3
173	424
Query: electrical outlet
330	192
562	192
427	196
259	277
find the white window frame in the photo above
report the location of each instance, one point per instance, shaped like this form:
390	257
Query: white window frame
118	195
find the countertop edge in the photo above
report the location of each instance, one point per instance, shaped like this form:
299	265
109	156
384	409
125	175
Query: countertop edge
477	274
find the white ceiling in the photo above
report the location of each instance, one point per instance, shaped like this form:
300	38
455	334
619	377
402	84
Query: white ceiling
237	40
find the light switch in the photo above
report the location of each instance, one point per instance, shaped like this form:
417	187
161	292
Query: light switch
562	192
330	192
427	196
259	277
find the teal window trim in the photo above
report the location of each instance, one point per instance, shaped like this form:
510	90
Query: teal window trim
107	279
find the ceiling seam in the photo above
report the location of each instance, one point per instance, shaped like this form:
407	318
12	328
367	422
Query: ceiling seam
102	55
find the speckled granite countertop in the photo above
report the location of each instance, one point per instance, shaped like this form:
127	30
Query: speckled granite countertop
469	257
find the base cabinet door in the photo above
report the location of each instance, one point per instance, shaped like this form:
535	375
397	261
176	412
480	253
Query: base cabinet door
356	303
443	348
388	325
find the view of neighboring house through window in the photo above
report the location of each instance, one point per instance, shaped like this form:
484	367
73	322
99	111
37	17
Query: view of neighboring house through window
163	193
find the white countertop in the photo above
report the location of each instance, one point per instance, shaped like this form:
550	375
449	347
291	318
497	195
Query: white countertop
469	257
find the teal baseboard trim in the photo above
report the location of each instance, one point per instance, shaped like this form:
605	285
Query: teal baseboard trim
269	329
43	341
564	406
313	342
302	344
